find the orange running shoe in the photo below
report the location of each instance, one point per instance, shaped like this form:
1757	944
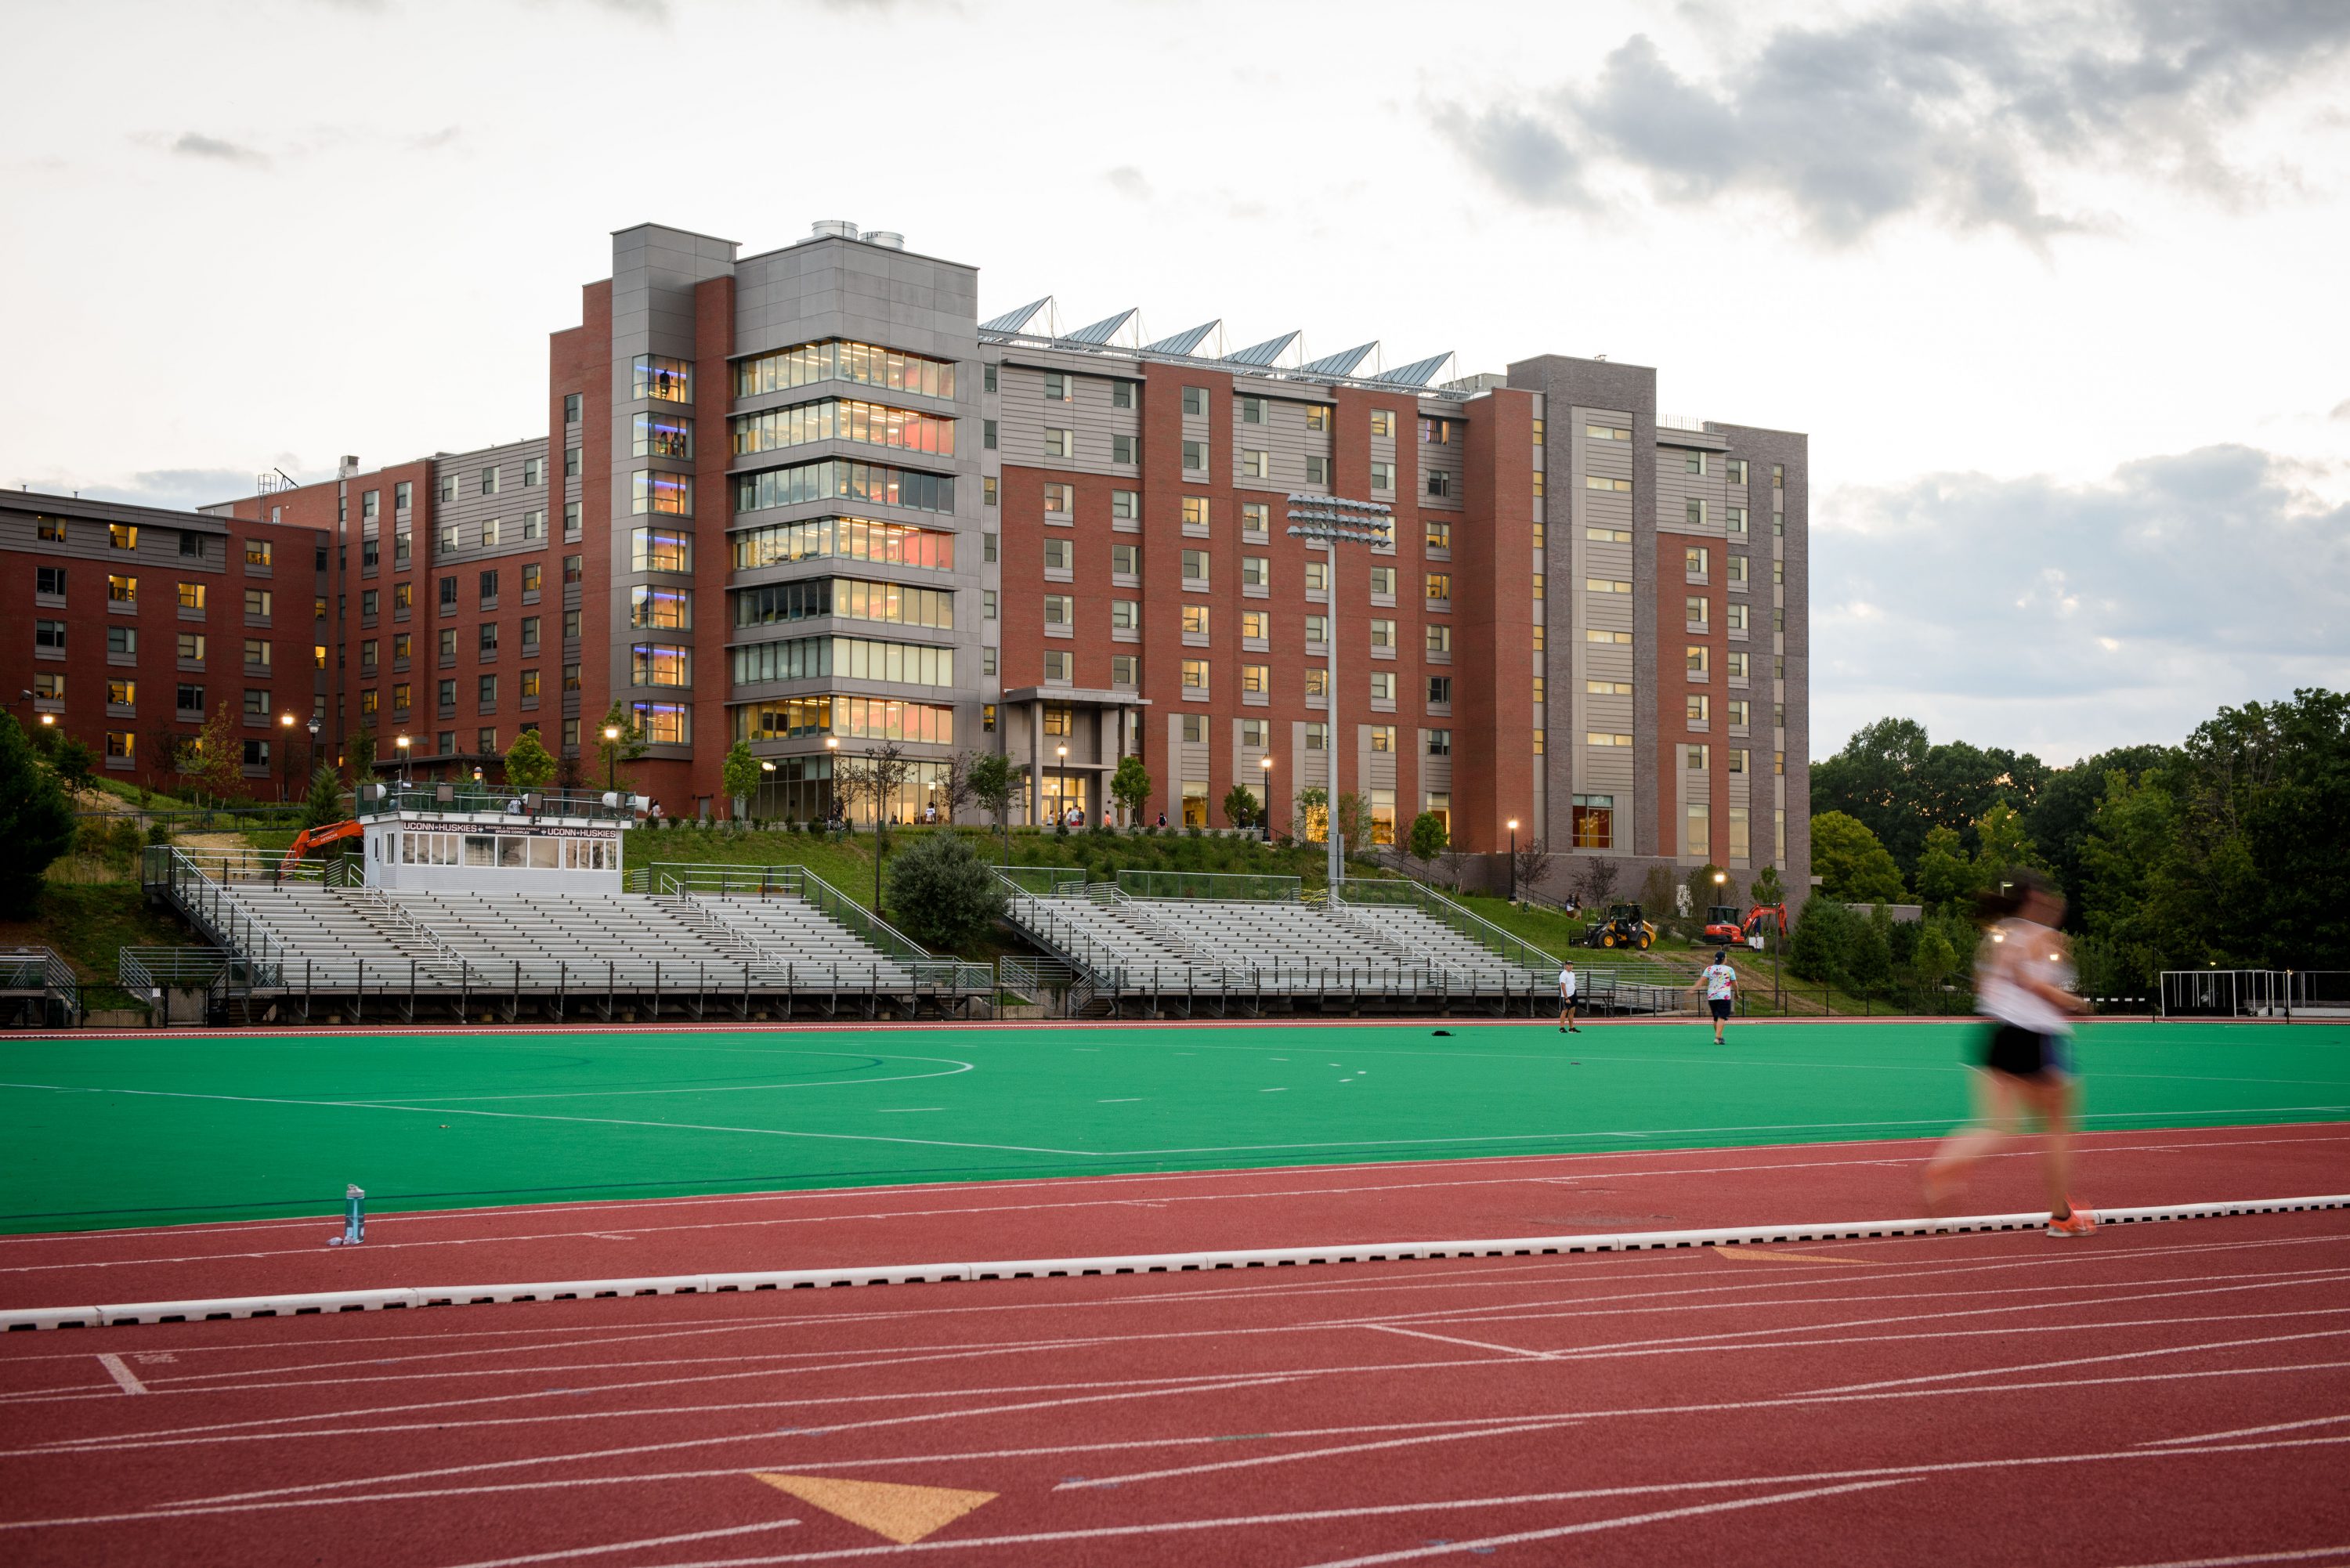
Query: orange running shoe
2080	1222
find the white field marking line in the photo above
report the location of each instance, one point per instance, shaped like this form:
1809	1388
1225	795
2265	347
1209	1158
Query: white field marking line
1746	1293
852	1361
2080	1361
1592	1526
252	1502
650	1540
2248	1431
1463	1278
123	1314
2304	1555
908	1110
2266	1280
1418	1440
592	1121
1448	1339
1608	1162
1737	1406
262	1497
276	1377
954	1066
1661	1347
121	1374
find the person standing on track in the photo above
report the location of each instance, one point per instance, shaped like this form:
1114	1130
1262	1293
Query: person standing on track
2023	981
1566	1024
1721	982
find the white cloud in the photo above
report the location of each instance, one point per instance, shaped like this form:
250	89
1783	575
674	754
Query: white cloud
2222	578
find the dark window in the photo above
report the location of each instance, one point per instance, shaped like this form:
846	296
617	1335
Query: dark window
191	543
1440	691
489	587
570	408
449	593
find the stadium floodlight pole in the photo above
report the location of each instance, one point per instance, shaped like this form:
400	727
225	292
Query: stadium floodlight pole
1330	520
1514	860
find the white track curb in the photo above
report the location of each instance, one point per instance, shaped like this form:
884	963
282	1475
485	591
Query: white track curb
1138	1263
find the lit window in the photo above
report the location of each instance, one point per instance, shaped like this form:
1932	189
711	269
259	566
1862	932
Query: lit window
669	495
668	380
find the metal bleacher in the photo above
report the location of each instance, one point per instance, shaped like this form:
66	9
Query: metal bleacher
685	942
1257	944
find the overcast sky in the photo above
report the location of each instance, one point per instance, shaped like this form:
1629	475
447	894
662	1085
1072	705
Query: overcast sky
2057	291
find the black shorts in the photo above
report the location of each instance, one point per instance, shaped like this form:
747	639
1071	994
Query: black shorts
1718	1005
2024	1053
1566	1003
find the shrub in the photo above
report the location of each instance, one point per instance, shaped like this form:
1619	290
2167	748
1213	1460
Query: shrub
940	893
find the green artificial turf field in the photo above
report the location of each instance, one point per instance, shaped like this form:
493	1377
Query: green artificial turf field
134	1132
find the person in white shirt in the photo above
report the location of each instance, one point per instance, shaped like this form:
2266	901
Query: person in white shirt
1566	1024
2023	981
1721	983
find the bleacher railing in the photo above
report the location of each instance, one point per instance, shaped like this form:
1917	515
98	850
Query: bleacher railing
1404	893
1238	887
42	969
208	905
1045	882
2254	993
766	881
463	799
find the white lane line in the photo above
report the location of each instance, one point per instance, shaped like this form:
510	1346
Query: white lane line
1590	1526
908	1110
639	1545
2248	1431
2304	1555
121	1373
1612	1163
2079	1361
1420	1441
1449	1339
596	1121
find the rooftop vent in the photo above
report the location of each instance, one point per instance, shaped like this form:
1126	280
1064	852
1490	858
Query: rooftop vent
349	466
888	239
834	229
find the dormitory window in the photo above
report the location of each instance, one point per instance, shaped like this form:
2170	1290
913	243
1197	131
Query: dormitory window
668	380
1252	410
1060	388
1594	482
1317	471
658	435
1121	394
1383	422
1439	482
571	401
668	494
1195	403
1059	500
1383	476
1057	664
490	481
1195	456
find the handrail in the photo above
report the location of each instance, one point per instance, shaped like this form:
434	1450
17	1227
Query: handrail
209	904
673	877
145	969
1227	886
1404	891
377	898
1093	964
1055	878
20	968
455	799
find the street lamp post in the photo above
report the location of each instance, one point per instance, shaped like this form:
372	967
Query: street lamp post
1061	813
286	767
1514	860
402	744
1330	522
310	757
1264	794
611	758
832	777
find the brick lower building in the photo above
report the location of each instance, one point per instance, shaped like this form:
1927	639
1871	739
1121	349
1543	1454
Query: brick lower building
809	500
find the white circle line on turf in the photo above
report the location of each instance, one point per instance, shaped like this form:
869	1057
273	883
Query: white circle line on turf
314	1302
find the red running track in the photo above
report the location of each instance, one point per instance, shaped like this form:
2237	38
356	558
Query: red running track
2157	1394
862	1227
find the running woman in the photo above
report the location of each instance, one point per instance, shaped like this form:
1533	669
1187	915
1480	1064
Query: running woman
1721	982
2024	1063
1567	1000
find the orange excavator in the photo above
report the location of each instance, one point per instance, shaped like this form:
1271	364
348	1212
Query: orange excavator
310	838
1725	924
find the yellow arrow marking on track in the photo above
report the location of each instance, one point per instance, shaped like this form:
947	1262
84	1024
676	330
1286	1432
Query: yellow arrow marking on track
904	1514
1754	1255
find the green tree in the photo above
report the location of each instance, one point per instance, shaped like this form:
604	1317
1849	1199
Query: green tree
1768	888
1853	868
1894	781
1240	805
993	778
1311	806
618	739
1426	839
2060	818
36	821
1868	954
1945	876
941	893
361	752
1824	934
324	804
1933	962
528	765
740	773
1130	786
217	757
72	760
2001	843
1354	821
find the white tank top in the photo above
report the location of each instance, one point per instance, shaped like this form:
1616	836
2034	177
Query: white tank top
2012	950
